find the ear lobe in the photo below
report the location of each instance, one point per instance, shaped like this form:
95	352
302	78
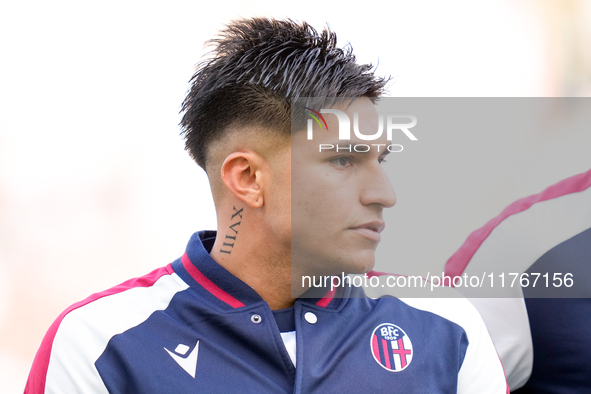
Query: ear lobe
242	175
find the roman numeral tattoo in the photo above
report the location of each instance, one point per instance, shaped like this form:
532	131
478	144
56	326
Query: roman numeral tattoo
237	212
231	239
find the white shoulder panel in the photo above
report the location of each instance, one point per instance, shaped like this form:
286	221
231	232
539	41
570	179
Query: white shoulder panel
481	371
85	332
508	325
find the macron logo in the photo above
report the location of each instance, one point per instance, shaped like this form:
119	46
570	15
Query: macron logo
188	363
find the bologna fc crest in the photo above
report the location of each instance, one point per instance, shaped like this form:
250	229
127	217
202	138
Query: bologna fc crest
391	347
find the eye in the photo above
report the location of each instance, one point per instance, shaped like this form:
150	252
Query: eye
342	162
382	160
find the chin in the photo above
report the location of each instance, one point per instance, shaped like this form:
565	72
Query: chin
361	265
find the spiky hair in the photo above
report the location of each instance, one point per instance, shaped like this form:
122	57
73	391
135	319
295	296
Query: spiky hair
257	66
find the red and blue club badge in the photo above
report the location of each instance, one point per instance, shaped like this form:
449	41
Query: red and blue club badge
391	347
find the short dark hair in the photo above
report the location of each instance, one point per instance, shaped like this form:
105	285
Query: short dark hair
256	68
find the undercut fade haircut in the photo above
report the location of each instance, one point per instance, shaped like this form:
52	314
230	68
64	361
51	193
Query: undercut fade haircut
255	70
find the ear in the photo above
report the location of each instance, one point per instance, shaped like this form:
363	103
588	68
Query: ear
243	176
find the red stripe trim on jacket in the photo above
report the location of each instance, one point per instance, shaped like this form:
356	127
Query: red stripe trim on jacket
208	284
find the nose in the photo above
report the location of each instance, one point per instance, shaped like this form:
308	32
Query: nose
377	189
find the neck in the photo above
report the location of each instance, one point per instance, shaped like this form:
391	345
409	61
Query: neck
256	260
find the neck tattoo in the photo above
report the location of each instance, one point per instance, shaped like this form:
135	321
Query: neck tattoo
231	239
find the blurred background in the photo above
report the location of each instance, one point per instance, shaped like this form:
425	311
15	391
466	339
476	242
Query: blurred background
95	187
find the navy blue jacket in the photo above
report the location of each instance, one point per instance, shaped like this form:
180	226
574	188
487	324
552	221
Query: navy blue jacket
194	327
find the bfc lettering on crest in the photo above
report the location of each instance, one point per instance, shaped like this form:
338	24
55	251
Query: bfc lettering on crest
391	347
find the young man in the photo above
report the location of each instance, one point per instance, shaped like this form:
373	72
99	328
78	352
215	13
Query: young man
230	315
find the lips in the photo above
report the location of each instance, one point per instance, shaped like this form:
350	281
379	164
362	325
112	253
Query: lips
376	226
370	230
